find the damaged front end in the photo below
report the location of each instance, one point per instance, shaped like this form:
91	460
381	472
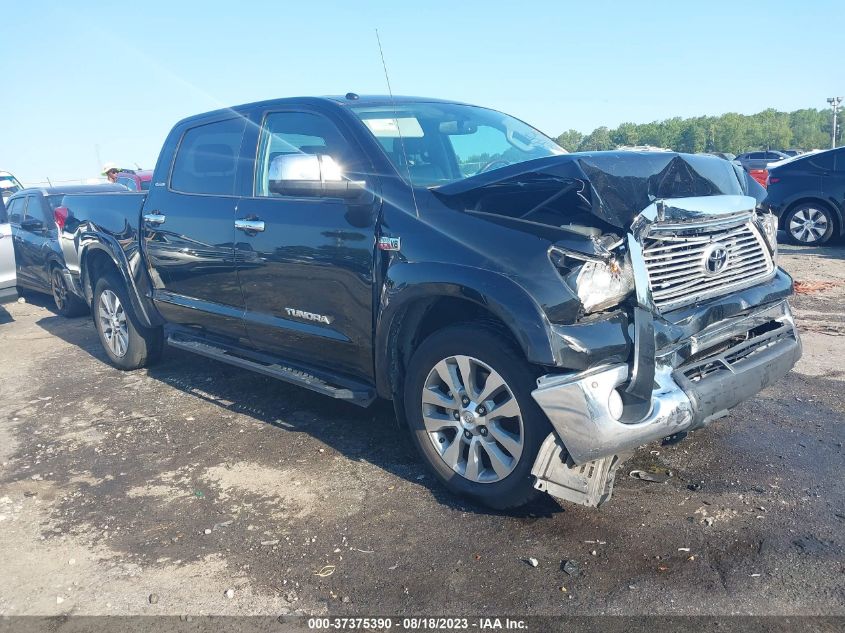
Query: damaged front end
686	369
683	311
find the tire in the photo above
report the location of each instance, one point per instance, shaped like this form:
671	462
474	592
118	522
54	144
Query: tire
809	224
503	449
128	344
67	303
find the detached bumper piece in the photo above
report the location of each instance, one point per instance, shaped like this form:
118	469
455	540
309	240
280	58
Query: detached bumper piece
695	382
589	484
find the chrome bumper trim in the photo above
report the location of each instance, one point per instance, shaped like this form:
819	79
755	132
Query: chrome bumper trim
578	404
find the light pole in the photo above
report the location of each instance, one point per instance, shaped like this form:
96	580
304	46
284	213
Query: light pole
834	104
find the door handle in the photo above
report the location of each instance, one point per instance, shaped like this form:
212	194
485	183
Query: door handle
250	226
154	218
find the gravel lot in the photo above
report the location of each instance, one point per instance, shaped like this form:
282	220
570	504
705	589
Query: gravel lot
156	491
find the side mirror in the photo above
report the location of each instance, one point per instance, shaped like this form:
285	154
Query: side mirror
311	175
33	225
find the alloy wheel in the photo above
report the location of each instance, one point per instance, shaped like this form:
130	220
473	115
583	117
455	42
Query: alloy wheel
112	319
57	285
473	419
808	225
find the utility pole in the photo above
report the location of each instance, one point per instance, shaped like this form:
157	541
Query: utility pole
834	104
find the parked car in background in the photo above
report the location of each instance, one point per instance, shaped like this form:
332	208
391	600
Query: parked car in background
135	180
808	195
759	160
8	277
39	261
8	185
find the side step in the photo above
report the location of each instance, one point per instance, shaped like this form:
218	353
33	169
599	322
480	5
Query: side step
356	393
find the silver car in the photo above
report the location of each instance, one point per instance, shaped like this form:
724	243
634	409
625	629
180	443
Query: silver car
8	278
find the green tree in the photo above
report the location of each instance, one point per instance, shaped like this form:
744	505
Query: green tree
570	140
598	140
731	132
626	134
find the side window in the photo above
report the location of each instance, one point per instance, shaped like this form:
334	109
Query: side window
840	162
288	139
756	155
37	210
129	183
207	158
822	160
34	216
17	208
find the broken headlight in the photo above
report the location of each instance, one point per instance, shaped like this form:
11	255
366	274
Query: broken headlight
602	284
768	223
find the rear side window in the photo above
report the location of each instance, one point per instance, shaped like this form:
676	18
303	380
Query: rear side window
840	161
823	160
207	158
17	207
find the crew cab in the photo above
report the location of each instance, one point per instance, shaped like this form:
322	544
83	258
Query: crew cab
533	315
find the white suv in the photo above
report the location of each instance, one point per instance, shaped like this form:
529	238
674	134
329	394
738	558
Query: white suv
8	279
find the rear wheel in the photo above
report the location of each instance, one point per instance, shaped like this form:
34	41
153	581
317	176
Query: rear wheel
67	303
129	344
809	223
469	407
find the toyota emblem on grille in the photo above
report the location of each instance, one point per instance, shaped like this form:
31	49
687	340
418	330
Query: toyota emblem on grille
715	259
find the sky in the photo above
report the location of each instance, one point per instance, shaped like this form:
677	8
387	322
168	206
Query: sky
84	83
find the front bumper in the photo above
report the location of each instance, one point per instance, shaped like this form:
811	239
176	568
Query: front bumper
696	381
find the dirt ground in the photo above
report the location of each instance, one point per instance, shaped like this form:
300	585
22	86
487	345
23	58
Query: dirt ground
156	491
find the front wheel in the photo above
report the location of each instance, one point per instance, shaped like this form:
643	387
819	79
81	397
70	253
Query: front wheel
809	224
469	407
129	344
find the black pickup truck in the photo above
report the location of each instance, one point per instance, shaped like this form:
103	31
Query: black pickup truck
534	315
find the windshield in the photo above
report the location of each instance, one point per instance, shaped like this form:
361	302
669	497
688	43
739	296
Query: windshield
445	142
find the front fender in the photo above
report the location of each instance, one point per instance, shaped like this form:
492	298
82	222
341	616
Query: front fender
407	284
130	267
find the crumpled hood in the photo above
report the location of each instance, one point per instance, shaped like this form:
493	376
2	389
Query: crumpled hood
618	185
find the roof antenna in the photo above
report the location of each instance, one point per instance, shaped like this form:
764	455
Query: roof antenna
398	128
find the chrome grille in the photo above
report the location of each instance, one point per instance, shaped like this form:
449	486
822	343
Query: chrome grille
675	260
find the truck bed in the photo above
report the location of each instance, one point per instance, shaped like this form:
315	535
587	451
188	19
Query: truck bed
115	215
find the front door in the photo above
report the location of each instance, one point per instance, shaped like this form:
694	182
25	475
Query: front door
189	231
307	273
31	236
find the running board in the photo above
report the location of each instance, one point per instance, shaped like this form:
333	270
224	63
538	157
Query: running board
353	392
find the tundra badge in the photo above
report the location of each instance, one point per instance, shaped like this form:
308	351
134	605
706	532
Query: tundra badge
308	316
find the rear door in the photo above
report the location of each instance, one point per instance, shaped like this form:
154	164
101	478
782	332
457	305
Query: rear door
188	229
307	274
